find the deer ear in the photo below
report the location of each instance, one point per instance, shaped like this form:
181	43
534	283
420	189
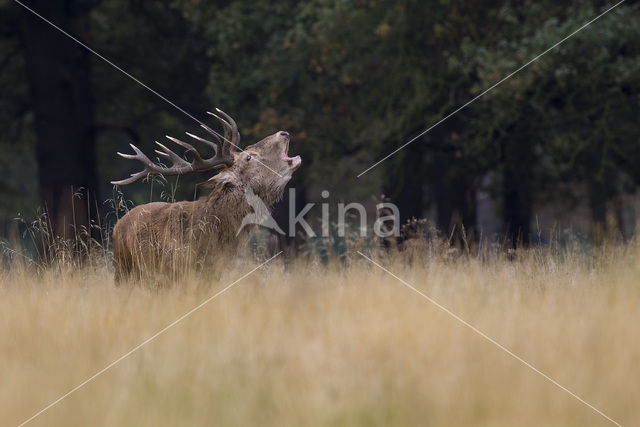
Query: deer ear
223	177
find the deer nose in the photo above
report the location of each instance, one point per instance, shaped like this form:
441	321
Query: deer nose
285	134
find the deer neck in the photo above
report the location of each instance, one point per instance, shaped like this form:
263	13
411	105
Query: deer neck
230	204
224	207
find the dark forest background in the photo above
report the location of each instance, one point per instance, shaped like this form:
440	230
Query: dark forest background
557	146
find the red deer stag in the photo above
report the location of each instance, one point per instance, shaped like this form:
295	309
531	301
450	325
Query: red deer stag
168	238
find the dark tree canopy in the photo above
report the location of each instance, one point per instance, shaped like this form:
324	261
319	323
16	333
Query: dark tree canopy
351	81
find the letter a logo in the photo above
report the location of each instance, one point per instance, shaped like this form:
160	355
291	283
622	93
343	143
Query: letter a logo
260	215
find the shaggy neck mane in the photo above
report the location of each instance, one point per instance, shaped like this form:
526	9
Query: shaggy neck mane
224	208
225	202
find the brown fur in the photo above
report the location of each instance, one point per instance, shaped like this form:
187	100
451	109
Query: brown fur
171	238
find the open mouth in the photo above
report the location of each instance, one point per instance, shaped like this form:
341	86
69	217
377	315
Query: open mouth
295	161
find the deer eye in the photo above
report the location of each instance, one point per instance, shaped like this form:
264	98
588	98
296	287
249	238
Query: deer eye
248	157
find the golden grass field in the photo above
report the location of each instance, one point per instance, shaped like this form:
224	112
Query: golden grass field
304	344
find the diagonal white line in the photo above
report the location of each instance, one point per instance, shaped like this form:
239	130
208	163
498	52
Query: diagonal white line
146	341
135	79
491	88
488	338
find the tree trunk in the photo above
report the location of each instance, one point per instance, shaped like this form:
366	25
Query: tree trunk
407	190
456	205
598	205
58	72
517	190
443	199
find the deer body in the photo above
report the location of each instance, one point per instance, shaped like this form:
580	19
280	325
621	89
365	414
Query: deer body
172	238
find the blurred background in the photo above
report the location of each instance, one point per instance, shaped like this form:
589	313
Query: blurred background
553	151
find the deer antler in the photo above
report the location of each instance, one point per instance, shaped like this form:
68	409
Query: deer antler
223	155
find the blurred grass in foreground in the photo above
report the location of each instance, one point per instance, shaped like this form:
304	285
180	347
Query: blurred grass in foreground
298	343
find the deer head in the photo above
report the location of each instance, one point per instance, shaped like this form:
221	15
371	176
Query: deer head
265	166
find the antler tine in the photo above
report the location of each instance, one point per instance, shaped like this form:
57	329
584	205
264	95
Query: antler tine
179	166
190	148
212	132
206	141
134	177
140	156
231	140
235	139
149	166
225	125
175	159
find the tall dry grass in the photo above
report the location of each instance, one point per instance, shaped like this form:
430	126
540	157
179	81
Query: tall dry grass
299	343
